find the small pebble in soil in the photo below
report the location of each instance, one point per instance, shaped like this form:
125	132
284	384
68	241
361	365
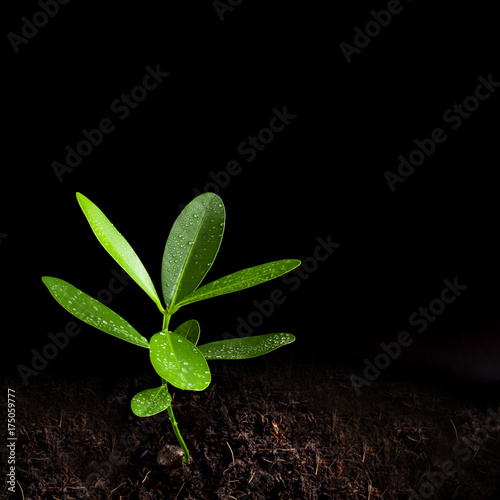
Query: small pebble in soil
170	456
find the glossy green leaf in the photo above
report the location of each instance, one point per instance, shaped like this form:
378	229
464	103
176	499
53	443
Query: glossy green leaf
92	312
151	401
179	362
240	280
190	330
191	247
245	347
118	247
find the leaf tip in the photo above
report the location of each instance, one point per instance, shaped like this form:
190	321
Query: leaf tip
82	199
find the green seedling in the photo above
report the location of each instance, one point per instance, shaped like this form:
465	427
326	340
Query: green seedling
190	251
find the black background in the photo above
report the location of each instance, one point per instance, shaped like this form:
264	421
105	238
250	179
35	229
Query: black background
323	176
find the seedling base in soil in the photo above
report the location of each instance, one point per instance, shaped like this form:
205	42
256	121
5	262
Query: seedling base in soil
262	430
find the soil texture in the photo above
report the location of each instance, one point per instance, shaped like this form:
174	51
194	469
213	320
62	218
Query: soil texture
261	430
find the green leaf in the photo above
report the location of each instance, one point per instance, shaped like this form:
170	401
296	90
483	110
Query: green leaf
191	247
118	247
190	330
179	362
92	312
151	401
240	280
245	347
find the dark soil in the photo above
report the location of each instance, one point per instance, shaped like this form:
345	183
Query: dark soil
260	431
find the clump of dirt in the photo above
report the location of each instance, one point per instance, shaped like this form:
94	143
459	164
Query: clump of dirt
260	431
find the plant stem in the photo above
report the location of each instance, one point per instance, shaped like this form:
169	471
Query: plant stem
166	321
185	459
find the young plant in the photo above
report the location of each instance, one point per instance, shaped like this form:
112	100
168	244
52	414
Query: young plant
190	251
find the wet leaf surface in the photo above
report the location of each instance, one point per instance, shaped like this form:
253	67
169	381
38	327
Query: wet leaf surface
92	312
241	280
191	247
151	401
179	361
245	347
117	246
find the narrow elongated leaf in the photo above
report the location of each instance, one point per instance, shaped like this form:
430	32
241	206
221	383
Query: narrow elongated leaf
191	247
240	280
151	401
92	312
179	362
190	330
245	347
118	247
